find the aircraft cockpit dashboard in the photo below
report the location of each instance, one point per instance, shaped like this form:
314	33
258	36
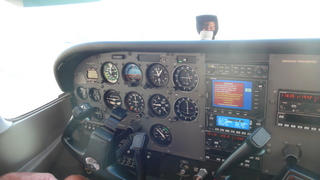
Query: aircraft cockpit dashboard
196	102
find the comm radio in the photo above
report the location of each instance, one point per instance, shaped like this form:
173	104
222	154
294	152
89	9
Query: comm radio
299	110
234	109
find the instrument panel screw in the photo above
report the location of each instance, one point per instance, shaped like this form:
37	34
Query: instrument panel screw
268	145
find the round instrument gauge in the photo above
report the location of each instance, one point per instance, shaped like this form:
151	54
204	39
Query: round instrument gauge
134	102
94	94
132	74
112	99
161	135
97	113
186	109
159	105
82	92
185	78
157	75
110	72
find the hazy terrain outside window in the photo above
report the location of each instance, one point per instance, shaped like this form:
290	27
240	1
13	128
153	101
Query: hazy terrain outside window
32	38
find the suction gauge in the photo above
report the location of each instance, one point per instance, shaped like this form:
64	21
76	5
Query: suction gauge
97	113
161	135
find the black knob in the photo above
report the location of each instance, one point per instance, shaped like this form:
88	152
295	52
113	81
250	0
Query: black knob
258	115
306	109
224	145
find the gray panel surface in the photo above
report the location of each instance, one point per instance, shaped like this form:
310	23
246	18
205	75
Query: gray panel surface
299	73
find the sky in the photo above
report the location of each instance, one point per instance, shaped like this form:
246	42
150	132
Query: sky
32	38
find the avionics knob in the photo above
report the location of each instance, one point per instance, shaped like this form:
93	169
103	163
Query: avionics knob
224	145
258	115
306	109
201	174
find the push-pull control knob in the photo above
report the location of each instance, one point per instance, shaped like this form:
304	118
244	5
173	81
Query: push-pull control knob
201	174
184	169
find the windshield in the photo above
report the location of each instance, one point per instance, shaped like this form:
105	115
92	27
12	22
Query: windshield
32	38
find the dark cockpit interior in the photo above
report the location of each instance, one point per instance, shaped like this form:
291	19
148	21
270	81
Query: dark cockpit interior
179	109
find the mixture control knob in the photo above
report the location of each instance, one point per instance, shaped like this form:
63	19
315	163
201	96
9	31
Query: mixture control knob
201	174
184	169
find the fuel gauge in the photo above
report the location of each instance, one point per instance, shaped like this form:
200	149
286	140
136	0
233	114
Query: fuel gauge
94	94
82	92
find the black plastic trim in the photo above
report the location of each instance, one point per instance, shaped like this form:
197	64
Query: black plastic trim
66	63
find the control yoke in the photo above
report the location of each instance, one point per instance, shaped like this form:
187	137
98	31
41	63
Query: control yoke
253	145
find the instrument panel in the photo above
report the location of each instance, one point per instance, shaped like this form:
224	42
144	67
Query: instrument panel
164	92
197	108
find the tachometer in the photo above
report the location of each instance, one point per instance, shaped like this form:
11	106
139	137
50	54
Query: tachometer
94	94
161	135
159	105
132	74
110	72
112	99
185	78
186	109
82	92
157	75
134	102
